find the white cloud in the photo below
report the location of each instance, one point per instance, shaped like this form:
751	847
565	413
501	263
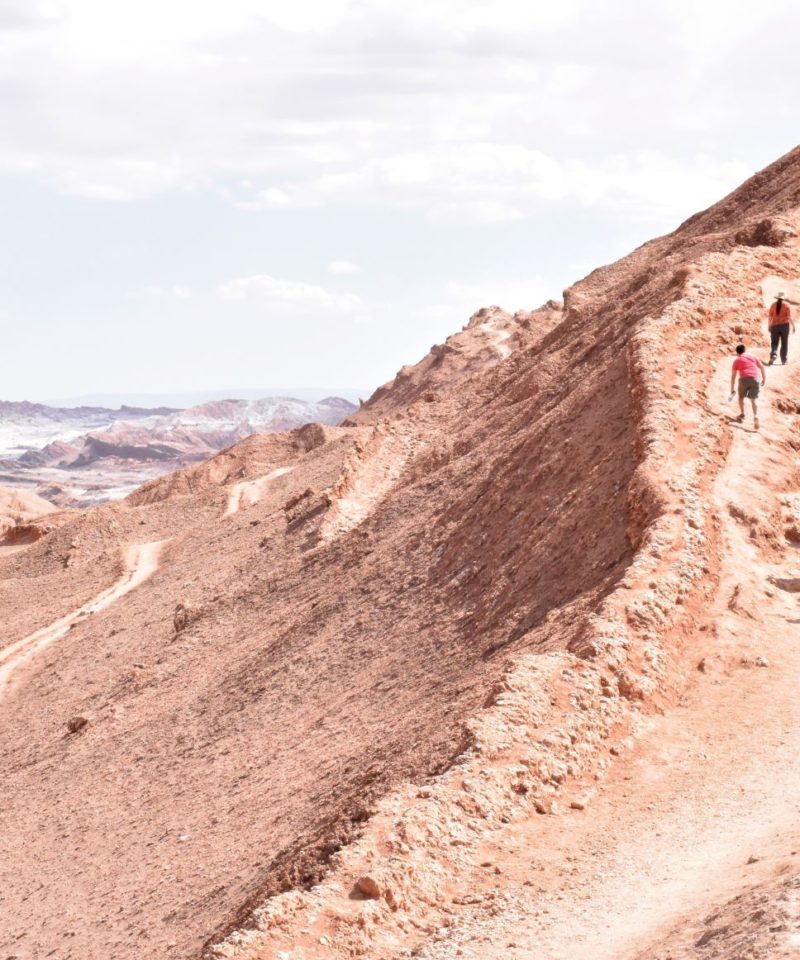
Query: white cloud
508	107
341	268
488	183
288	295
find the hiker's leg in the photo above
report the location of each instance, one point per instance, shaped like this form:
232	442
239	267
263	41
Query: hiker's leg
774	336
741	402
785	343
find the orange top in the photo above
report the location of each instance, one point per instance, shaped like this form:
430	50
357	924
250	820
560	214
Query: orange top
785	316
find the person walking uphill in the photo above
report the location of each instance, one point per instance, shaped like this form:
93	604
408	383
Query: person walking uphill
780	319
751	371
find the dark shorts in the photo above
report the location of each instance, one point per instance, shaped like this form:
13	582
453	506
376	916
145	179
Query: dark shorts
749	388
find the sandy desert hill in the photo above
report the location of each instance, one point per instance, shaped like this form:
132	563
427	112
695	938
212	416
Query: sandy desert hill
18	508
503	665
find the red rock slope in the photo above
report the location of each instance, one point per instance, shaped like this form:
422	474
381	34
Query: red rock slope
410	629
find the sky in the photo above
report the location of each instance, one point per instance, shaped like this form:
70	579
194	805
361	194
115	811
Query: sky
255	194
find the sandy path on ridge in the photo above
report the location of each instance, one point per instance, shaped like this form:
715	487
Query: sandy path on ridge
249	492
7	551
498	338
669	833
368	480
141	562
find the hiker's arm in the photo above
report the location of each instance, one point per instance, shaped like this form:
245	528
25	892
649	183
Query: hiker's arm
763	370
733	379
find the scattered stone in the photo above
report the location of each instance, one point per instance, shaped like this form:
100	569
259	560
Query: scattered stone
762	662
368	887
709	935
76	724
577	805
752	859
629	687
181	618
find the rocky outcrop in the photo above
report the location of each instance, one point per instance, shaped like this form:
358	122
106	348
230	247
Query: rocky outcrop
490	336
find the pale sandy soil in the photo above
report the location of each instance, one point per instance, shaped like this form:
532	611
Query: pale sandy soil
498	338
247	493
6	551
368	478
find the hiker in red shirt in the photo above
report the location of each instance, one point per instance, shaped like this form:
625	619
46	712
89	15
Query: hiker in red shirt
751	371
780	319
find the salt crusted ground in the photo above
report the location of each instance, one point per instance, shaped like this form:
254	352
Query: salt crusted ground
503	666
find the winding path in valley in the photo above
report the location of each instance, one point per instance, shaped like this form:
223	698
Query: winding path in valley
141	562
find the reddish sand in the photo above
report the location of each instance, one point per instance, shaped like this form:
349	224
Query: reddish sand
334	712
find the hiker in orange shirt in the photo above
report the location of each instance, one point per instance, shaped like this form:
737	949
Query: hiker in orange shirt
780	319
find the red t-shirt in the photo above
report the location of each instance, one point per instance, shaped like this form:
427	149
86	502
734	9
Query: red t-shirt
776	318
747	366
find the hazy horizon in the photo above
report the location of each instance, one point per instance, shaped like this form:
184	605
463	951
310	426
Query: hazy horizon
113	400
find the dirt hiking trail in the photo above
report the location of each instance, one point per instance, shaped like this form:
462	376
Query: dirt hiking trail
368	478
498	338
141	562
705	789
250	492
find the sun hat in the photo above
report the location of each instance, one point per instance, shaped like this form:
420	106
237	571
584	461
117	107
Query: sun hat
780	296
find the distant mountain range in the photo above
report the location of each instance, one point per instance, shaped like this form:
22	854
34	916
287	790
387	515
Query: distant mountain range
80	455
183	399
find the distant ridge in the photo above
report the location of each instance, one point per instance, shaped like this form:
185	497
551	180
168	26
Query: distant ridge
193	398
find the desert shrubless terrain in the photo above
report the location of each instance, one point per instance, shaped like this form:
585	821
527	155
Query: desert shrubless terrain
83	456
504	664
